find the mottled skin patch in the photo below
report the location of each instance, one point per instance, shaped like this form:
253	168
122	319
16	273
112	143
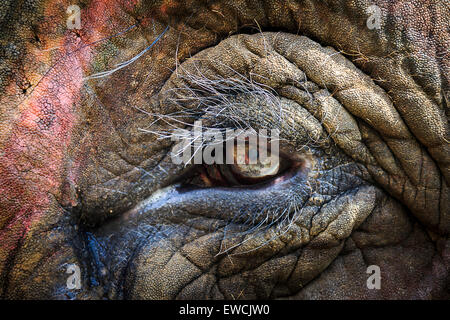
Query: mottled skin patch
71	150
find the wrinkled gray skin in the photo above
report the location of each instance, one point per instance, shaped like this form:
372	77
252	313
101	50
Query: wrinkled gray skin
364	110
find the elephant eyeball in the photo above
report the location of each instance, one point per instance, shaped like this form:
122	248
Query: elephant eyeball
249	166
252	164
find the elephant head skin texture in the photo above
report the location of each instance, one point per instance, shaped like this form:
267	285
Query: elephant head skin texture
93	206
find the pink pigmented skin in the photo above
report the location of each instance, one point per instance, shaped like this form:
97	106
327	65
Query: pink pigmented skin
33	161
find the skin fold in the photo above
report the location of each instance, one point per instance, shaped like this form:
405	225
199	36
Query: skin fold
86	179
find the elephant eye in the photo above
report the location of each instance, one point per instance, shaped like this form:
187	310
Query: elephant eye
249	167
262	169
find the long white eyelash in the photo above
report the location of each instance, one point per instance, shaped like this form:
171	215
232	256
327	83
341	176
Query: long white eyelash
281	220
214	100
124	64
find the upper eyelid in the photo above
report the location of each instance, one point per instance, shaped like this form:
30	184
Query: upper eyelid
247	104
300	130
